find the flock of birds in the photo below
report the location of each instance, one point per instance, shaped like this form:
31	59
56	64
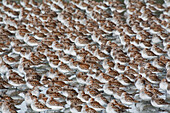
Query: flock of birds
84	56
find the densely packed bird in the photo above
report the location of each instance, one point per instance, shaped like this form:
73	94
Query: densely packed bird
84	56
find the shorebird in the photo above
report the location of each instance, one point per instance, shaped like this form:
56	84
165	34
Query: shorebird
158	64
87	109
145	94
124	80
146	53
157	50
95	105
83	97
154	90
163	84
152	77
127	99
10	60
81	78
159	102
101	99
140	82
37	106
111	108
54	104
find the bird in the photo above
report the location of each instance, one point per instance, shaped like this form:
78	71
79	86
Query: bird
54	104
95	105
127	99
159	102
145	94
37	106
